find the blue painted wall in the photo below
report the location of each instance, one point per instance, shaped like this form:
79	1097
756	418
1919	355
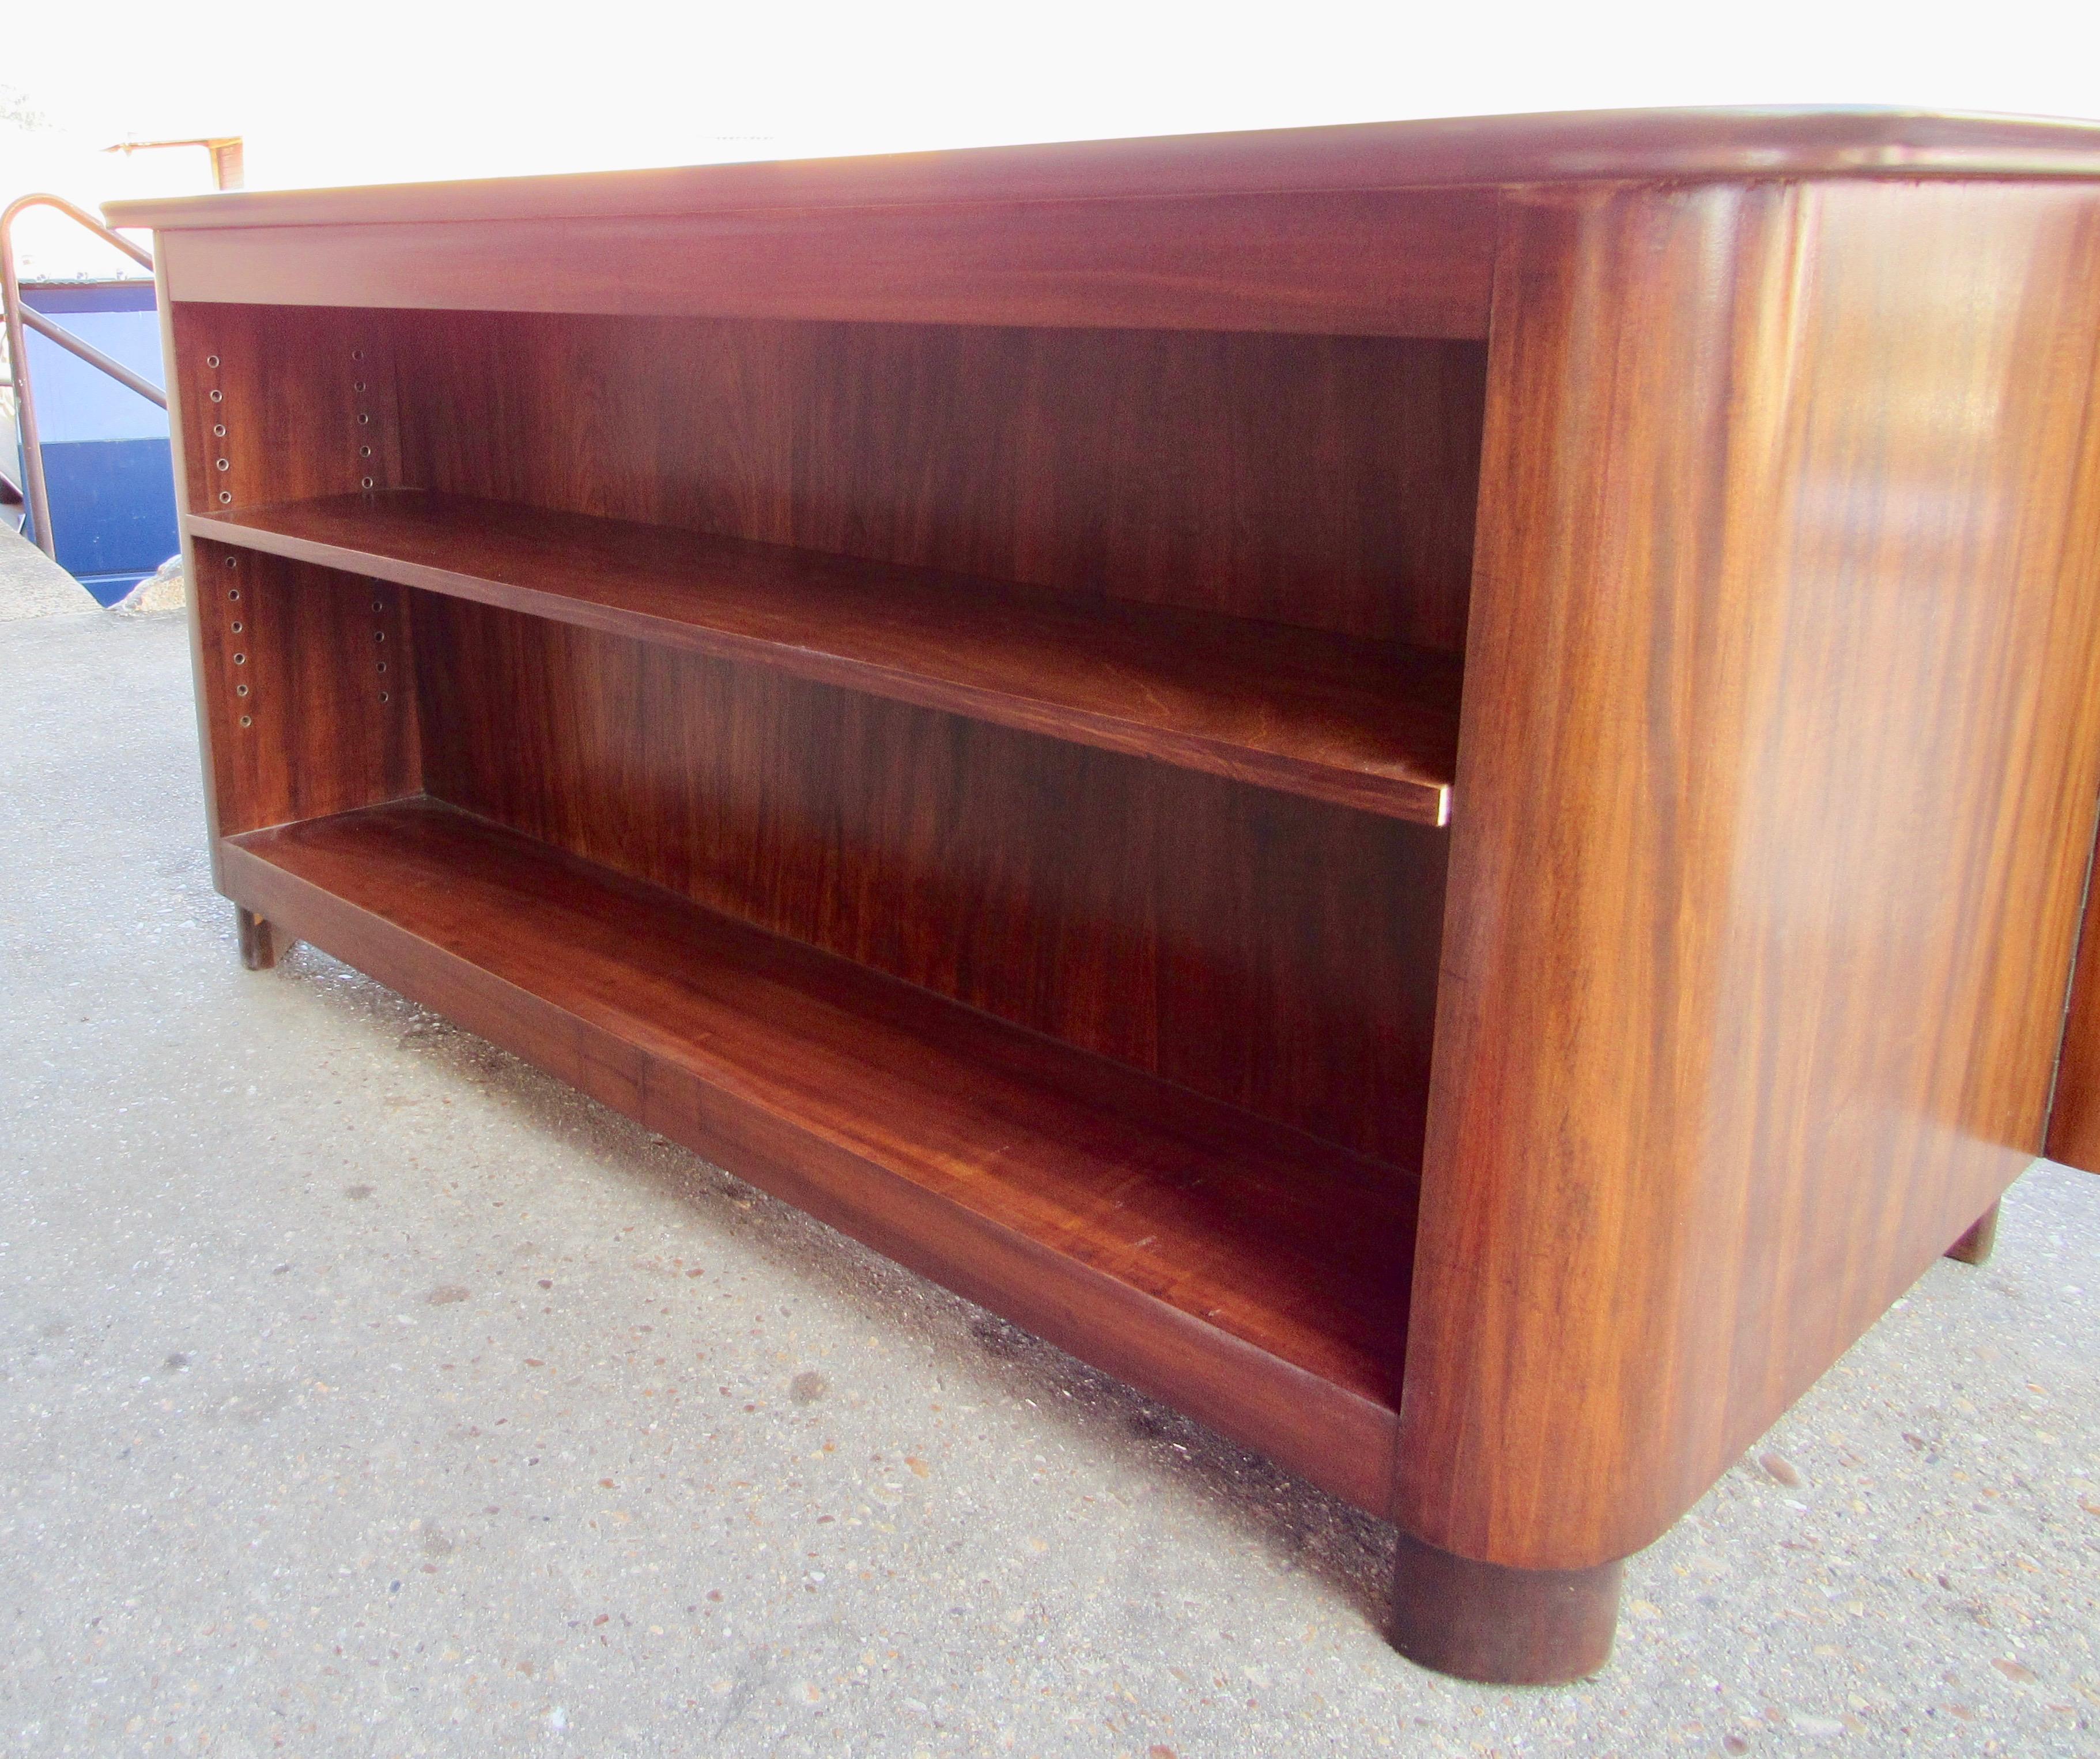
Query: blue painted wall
106	456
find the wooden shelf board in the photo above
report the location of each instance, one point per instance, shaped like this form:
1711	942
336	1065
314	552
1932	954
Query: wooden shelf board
1250	1275
1365	725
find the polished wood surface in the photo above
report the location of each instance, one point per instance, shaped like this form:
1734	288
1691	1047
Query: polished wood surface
310	695
1364	263
297	404
1186	1245
1274	952
1780	745
1323	481
1598	146
305	679
911	676
1303	711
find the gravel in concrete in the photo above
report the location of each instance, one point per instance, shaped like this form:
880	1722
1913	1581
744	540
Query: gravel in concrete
33	585
363	1391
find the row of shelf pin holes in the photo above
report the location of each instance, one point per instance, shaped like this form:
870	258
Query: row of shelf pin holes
364	452
236	626
364	420
218	433
225	463
239	659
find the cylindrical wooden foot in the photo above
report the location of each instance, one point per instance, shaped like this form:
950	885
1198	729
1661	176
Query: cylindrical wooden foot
258	939
1974	1246
1488	1622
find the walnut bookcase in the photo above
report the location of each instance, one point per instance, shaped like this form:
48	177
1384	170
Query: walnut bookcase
1426	786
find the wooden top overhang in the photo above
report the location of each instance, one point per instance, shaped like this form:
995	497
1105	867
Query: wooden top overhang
1690	146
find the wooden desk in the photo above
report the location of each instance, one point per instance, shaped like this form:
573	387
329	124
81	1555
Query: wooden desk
1425	786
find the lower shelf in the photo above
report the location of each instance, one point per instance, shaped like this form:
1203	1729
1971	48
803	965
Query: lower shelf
1252	1275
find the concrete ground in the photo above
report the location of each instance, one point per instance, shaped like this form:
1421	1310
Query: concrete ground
364	1392
31	584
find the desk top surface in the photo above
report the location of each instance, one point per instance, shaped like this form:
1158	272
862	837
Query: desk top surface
1694	146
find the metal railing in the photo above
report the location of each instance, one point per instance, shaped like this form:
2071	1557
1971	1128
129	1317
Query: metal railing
20	317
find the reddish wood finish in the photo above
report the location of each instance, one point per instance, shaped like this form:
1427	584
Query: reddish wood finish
912	867
306	690
1324	481
1401	263
1483	1621
1273	952
310	688
298	403
1183	1245
1310	713
258	939
1598	146
1781	693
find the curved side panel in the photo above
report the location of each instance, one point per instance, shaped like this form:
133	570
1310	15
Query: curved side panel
1779	754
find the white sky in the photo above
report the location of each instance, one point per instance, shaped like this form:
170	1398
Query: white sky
377	91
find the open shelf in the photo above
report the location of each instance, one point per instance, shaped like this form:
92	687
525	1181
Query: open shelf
1254	1276
1368	725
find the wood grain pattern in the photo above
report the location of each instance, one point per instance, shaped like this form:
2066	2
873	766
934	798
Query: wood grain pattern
1609	146
1369	726
1781	695
1324	481
310	697
298	403
1185	1245
1272	951
1378	263
1776	769
306	694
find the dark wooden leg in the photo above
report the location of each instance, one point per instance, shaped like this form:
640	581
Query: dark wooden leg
1486	1621
258	939
1974	1246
